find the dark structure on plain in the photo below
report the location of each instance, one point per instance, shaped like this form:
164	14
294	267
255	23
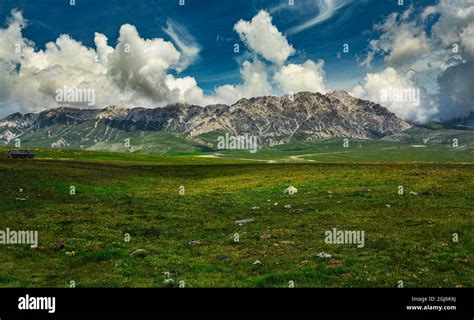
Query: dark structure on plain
21	154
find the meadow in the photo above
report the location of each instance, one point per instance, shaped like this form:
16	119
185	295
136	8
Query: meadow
129	224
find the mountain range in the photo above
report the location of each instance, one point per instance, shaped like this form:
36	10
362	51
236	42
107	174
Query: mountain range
304	116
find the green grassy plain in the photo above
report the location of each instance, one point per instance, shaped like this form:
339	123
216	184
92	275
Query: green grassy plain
407	237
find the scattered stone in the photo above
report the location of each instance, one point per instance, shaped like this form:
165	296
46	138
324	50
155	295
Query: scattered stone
223	257
388	206
288	206
287	242
275	204
291	190
265	236
297	210
268	200
197	242
257	262
339	201
255	208
244	221
330	192
324	255
413	193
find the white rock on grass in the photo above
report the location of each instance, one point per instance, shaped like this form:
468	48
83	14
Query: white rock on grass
242	222
291	190
197	242
324	255
288	206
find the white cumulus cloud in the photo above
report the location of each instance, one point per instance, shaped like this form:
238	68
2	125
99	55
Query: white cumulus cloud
133	73
430	48
308	76
401	41
264	39
397	92
255	83
261	36
454	17
138	72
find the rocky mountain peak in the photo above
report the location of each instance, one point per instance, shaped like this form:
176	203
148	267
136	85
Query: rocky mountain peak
113	112
304	116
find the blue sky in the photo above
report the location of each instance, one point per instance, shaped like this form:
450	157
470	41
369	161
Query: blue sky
211	23
186	53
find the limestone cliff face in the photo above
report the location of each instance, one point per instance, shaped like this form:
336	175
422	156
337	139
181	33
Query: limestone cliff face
304	116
